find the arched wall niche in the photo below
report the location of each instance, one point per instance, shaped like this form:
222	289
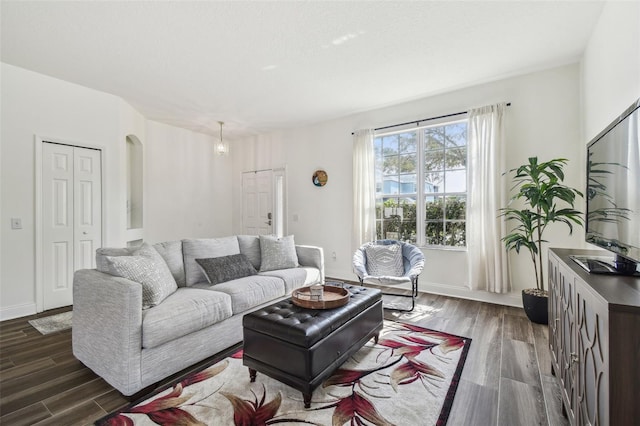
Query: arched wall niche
135	202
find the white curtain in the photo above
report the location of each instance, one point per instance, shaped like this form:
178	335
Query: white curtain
364	188
488	265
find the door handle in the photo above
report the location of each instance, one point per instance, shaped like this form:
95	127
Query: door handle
268	222
84	232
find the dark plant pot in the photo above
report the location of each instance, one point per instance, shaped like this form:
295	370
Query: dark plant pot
536	305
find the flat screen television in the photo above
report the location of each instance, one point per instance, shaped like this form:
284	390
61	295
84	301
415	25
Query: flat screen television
612	219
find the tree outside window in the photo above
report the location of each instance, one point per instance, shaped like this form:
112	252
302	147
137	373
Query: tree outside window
434	188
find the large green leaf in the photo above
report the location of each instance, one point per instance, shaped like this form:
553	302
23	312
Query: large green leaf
546	200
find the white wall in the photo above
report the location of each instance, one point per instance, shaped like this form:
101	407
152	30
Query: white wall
543	120
34	104
186	191
611	66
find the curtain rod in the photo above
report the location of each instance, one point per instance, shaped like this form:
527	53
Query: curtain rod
417	122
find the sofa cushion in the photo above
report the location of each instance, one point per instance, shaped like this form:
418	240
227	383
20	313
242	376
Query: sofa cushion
384	260
249	292
203	249
103	252
226	268
154	276
171	252
250	247
187	310
296	277
147	250
277	253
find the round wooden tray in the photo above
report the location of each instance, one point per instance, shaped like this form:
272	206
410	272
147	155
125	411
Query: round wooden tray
334	297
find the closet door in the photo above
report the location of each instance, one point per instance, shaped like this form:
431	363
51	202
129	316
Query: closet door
71	218
87	206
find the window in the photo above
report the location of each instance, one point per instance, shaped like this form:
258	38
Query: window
422	173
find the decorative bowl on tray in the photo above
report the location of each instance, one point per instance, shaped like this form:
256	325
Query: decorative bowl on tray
332	297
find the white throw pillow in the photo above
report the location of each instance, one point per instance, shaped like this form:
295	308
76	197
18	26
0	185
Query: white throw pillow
155	278
384	260
277	253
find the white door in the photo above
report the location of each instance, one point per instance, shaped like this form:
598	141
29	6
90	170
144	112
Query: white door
71	218
257	202
87	202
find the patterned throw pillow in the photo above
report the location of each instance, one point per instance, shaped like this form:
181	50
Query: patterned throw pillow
277	253
156	279
103	252
226	268
385	260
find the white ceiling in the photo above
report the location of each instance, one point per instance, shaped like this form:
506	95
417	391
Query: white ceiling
262	66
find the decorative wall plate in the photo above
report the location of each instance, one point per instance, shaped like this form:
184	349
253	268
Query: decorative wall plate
319	178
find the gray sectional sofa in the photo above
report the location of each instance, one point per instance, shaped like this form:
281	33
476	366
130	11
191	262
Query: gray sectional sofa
187	318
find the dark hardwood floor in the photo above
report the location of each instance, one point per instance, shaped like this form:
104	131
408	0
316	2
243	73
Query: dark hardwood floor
506	380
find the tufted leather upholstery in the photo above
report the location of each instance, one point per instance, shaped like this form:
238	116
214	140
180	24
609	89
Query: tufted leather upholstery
302	347
304	327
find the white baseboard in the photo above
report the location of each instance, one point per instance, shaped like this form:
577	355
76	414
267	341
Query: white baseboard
507	299
17	311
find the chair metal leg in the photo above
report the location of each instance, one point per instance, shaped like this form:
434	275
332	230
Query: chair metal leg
413	295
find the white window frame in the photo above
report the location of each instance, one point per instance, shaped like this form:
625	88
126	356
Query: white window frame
420	172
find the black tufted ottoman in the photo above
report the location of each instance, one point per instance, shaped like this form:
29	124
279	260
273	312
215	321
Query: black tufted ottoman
303	347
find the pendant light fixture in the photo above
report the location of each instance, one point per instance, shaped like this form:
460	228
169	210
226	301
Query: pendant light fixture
222	148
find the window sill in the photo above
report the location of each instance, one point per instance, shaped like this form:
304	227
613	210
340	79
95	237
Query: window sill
444	248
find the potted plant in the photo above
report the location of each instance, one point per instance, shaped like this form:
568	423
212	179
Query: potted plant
539	187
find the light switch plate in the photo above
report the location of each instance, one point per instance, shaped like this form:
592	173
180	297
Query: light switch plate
16	223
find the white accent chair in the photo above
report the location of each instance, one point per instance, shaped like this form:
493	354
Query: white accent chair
413	263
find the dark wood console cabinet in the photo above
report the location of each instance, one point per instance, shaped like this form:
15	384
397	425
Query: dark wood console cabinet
594	338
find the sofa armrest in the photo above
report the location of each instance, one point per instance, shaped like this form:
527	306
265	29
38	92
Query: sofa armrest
311	256
107	327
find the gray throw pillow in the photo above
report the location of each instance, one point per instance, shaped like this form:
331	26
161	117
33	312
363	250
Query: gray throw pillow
226	268
156	280
277	253
205	248
384	260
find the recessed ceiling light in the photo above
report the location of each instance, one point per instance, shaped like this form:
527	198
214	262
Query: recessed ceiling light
346	37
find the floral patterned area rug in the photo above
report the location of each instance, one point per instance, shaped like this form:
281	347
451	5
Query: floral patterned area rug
408	378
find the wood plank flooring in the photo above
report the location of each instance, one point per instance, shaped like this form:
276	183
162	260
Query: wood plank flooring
506	380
